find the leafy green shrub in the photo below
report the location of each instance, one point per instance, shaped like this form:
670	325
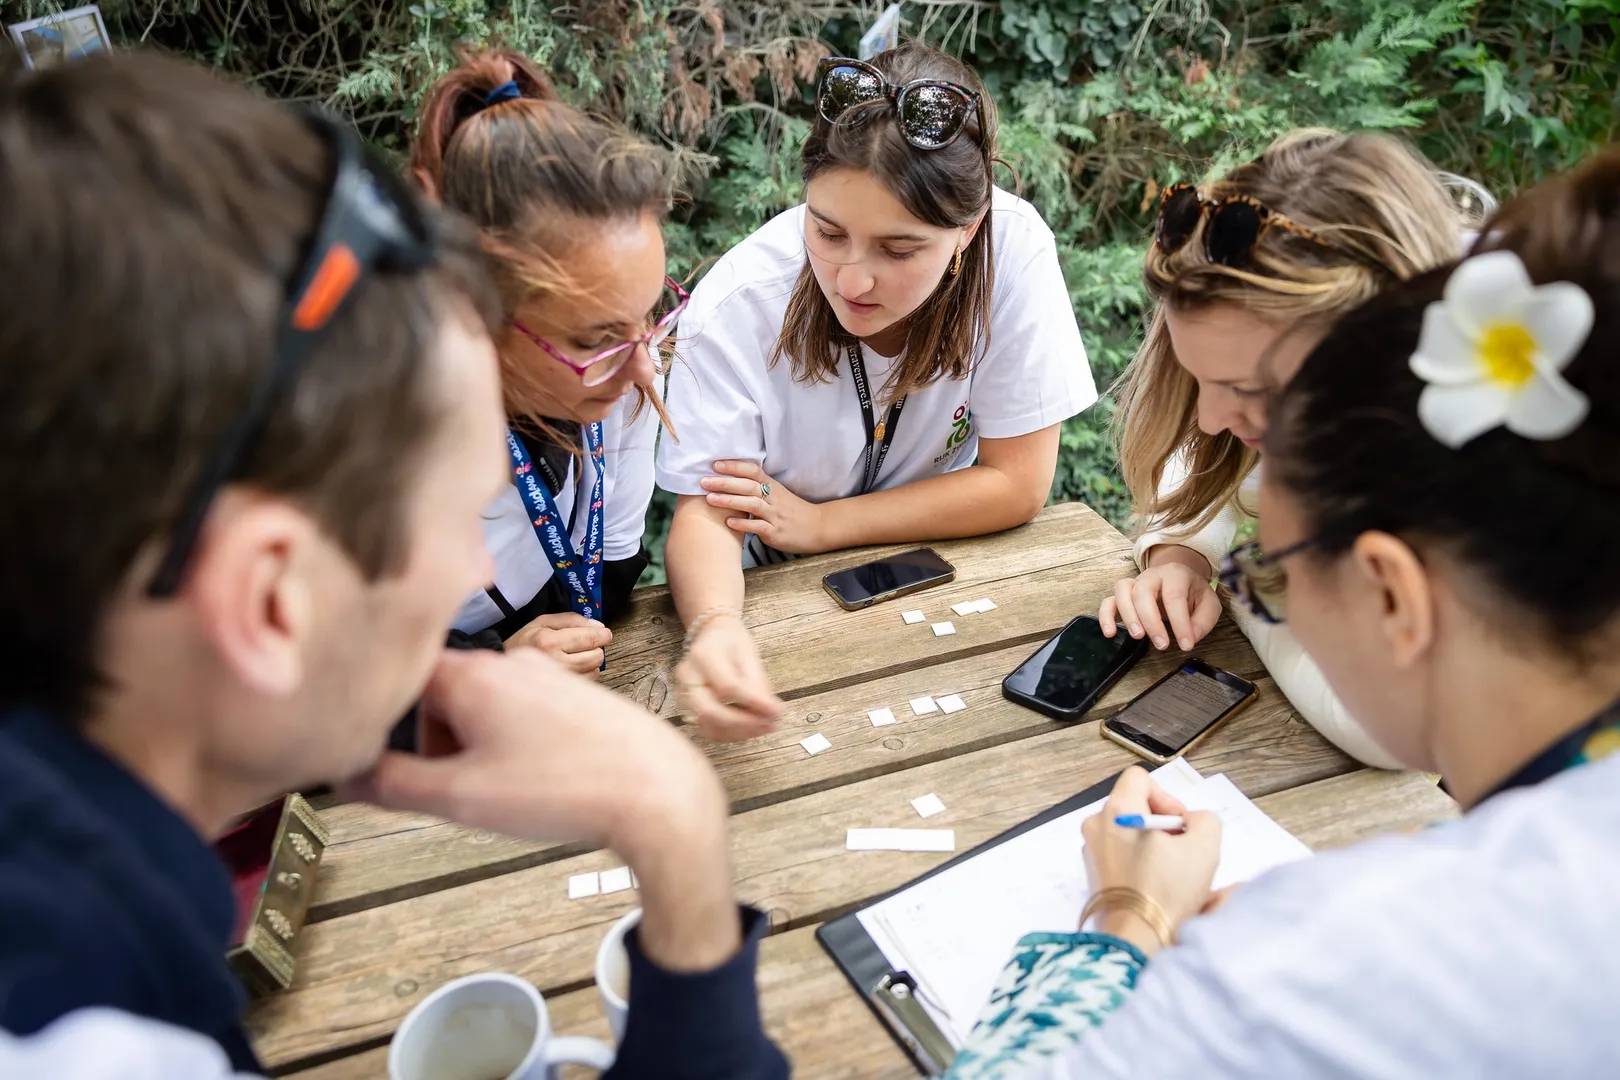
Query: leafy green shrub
1103	101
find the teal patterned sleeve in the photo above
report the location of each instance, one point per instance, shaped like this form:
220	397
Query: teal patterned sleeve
1055	989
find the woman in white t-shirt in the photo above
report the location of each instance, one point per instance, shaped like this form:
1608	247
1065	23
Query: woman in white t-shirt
888	362
570	211
1248	272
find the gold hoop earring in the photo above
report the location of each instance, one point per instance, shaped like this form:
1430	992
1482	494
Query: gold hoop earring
956	263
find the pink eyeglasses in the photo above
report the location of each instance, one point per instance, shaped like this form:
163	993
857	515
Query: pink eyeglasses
604	365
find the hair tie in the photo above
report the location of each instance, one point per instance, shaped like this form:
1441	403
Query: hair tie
504	92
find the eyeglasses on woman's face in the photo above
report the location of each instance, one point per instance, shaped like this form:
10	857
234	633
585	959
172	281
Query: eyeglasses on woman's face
1259	580
601	367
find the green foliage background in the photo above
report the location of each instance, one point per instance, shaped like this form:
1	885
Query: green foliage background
1103	101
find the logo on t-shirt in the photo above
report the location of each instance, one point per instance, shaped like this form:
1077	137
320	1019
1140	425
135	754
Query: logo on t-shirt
961	431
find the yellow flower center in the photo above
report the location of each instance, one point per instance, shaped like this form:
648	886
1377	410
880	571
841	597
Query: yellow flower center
1506	351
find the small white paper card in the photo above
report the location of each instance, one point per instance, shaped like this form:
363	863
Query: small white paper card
966	607
944	629
922	706
881	717
985	605
951	703
615	880
927	805
913	617
582	885
815	744
901	840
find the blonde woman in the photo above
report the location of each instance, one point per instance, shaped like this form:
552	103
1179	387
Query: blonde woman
1247	274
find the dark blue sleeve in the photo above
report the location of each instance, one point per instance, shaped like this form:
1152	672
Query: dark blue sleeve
61	950
698	1026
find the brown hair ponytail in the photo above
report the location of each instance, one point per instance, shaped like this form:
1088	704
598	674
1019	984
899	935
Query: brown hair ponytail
461	94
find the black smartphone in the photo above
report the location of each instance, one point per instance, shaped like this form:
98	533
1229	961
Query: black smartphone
1070	672
1171	716
898	575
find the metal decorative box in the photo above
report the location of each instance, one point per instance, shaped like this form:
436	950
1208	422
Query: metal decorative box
272	856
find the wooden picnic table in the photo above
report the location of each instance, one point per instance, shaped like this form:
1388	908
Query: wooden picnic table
406	902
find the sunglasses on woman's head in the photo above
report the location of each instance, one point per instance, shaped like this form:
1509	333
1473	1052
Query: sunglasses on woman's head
1259	580
931	112
609	362
1233	226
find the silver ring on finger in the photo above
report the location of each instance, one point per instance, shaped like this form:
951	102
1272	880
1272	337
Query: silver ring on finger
764	491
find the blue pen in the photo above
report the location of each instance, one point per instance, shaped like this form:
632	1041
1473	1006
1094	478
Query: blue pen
1156	822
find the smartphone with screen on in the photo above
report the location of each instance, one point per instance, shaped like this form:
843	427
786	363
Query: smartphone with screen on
1174	714
1070	672
898	575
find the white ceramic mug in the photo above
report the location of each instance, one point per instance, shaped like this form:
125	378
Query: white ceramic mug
491	1026
613	974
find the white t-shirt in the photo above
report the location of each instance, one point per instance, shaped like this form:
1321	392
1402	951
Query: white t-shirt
106	1044
725	402
521	566
1482	948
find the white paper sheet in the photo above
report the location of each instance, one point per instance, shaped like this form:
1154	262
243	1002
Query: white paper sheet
922	706
928	805
881	717
615	880
912	618
951	703
900	840
955	931
815	744
944	629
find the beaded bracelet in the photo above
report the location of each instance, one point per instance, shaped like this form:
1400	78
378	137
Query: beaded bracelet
1137	903
704	619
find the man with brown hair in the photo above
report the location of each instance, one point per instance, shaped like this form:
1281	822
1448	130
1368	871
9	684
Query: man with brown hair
249	418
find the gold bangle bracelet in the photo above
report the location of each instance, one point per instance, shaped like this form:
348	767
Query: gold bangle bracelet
1137	903
704	619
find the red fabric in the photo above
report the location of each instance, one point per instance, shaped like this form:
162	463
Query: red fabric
246	851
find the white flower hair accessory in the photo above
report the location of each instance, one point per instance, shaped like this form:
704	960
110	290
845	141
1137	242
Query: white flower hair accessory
1493	350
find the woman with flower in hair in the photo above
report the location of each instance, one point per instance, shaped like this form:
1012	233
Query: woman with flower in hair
1441	497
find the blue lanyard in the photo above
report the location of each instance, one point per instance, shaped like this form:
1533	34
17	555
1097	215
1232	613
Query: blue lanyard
580	572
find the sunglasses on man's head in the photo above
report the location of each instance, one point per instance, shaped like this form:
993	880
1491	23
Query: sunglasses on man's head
608	363
931	112
369	223
1233	226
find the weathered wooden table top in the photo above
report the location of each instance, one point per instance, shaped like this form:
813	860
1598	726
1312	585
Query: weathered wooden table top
405	902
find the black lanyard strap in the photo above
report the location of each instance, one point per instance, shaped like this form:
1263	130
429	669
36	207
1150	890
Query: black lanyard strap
878	436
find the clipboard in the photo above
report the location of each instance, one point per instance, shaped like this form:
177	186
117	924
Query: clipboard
890	994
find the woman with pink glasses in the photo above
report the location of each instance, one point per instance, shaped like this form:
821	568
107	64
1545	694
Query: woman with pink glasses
571	213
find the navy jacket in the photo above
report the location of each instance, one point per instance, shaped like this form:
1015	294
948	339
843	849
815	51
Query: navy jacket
108	897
